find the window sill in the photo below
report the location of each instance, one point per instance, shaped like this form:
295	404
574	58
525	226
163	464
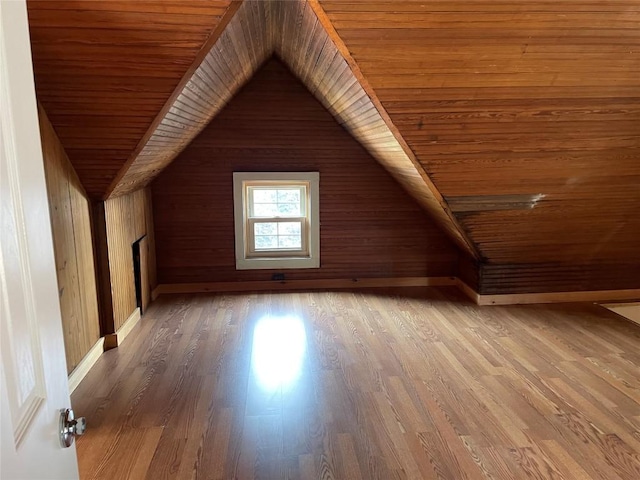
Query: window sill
276	263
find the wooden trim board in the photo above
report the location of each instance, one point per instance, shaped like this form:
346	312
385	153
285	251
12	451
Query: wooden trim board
114	339
88	361
345	283
468	291
627	310
303	284
549	297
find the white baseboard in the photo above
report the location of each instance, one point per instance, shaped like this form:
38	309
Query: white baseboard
89	360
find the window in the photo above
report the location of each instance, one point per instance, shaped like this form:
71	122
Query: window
276	220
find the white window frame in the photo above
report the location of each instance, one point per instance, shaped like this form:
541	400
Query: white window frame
309	255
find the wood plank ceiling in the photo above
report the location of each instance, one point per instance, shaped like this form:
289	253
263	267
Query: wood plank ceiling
104	69
537	99
521	116
257	30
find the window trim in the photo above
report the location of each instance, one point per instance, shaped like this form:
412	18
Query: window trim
283	259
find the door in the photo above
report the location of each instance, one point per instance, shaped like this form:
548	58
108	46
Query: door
33	383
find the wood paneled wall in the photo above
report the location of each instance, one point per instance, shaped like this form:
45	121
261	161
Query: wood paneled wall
469	271
370	227
71	225
127	219
558	277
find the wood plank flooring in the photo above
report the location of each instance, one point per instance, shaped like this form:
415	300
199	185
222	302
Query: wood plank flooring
365	385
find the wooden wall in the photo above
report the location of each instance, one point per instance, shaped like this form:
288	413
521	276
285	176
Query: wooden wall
558	277
127	219
370	227
71	224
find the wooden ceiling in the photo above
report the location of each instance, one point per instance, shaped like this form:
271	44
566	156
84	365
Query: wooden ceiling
104	69
293	31
515	124
504	97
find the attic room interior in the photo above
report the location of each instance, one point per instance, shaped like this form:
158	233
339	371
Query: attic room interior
350	239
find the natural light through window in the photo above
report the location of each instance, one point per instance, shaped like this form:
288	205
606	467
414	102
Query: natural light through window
276	220
278	353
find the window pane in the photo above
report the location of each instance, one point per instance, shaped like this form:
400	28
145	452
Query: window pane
289	209
265	210
289	228
265	229
264	242
265	196
289	241
289	196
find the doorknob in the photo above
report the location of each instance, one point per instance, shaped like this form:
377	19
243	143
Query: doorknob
70	427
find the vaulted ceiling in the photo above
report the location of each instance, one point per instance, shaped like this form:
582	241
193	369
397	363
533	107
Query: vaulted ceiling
515	124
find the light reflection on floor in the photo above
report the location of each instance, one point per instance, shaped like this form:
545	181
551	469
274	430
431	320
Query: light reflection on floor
279	348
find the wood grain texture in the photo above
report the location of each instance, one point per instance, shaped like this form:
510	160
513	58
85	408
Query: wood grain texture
558	277
306	40
293	31
71	227
104	69
460	102
127	220
231	61
411	385
369	226
518	98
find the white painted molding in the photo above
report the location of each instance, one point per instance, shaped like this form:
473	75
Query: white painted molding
89	360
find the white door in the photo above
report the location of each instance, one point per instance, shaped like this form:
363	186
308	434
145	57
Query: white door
34	377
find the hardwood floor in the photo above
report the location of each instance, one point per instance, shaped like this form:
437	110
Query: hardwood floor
365	385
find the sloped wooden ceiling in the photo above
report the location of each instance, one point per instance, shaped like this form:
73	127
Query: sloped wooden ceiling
291	30
104	69
117	91
516	101
515	124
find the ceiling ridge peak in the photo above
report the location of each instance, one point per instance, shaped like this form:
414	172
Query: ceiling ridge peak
301	35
